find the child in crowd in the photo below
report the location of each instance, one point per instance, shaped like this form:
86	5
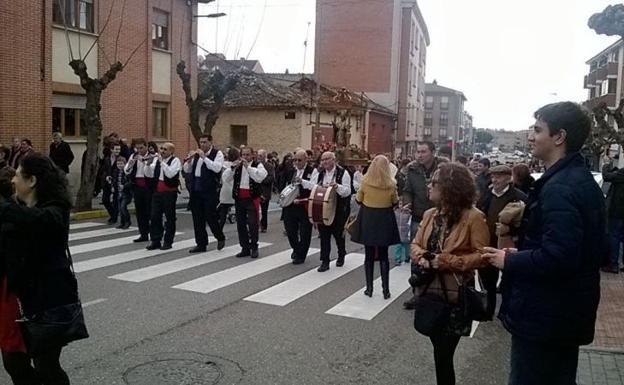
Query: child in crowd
122	192
403	216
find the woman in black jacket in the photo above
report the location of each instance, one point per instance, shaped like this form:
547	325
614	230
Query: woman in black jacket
39	272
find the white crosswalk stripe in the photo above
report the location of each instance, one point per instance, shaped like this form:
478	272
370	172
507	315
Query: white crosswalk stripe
84	225
295	288
360	306
98	233
94	246
239	273
162	269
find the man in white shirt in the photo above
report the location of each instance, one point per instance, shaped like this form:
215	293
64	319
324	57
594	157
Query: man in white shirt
331	174
247	176
204	167
166	169
141	186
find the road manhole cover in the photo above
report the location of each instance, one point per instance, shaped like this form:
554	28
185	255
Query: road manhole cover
183	369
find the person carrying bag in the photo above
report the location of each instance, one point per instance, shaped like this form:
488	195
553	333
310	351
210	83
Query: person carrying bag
445	252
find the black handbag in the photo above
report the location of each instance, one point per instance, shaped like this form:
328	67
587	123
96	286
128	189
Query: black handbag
53	327
432	311
473	303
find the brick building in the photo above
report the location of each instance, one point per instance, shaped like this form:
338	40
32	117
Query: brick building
444	113
40	92
378	48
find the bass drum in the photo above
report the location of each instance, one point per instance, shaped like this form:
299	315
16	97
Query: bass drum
288	195
322	205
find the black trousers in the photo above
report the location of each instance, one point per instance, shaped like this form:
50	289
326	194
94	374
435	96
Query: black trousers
534	363
143	209
204	210
298	229
489	278
223	210
163	203
247	224
370	254
47	369
264	207
107	201
337	231
444	346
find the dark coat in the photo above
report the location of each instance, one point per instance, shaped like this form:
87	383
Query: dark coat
415	190
267	183
61	155
615	194
511	195
37	272
551	286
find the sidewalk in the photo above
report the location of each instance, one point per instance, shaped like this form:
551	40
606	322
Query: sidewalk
602	363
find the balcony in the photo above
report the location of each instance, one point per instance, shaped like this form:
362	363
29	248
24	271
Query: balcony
609	99
601	74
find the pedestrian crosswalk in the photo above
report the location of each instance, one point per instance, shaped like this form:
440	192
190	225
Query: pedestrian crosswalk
117	250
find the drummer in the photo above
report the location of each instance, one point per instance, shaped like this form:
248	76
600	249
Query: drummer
298	227
329	174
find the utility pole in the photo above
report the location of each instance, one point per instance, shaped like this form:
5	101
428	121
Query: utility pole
317	97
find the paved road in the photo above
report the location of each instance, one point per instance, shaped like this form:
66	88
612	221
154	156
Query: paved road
175	318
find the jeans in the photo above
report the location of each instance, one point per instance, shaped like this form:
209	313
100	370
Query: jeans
444	346
122	201
401	252
616	237
535	363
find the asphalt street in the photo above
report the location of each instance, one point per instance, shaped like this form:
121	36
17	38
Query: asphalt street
175	318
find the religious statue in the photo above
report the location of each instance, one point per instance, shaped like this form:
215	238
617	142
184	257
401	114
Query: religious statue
342	129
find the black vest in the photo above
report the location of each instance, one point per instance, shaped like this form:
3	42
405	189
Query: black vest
170	182
208	179
255	188
342	202
307	173
133	172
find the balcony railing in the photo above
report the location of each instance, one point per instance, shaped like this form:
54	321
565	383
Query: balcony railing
609	99
601	74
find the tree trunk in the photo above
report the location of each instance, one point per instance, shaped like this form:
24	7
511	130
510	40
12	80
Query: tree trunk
90	165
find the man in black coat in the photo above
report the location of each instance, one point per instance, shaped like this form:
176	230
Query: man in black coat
60	152
551	283
267	189
615	214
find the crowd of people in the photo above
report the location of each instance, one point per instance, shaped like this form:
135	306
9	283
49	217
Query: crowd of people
457	223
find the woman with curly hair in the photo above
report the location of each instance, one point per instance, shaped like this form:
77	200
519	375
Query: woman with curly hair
448	249
376	226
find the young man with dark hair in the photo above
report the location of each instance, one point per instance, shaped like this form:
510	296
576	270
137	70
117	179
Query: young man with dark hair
141	186
551	283
483	179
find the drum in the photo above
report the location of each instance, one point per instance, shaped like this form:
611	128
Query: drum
288	195
322	205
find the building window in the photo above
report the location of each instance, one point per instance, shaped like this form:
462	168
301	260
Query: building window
238	135
612	85
78	14
604	87
429	102
290	115
427	131
443	119
160	29
428	119
443	133
69	121
160	121
444	103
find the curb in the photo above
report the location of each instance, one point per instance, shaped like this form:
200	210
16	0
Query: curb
102	213
598	349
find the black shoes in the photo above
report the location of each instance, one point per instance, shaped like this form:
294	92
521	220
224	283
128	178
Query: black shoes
111	221
141	239
197	249
123	226
368	292
263	230
243	254
254	253
386	294
340	261
410	304
298	261
166	246
220	244
293	255
324	267
153	246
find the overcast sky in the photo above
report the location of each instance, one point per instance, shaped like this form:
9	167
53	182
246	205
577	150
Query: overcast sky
509	57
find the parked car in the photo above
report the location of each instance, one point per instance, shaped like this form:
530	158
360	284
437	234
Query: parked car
597	177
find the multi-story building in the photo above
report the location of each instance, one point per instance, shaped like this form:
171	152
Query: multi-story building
466	134
444	114
41	94
604	81
508	141
380	49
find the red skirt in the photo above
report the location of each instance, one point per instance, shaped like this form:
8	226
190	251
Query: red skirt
10	332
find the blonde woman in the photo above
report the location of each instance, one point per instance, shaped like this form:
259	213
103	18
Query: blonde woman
376	227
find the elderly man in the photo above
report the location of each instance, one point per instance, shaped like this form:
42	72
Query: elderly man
493	202
267	189
165	169
330	174
60	152
25	149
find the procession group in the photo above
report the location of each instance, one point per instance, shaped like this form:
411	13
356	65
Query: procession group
546	238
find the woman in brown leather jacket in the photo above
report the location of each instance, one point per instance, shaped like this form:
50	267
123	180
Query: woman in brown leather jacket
448	247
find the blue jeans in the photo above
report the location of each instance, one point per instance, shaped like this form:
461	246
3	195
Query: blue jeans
123	201
401	252
616	237
536	363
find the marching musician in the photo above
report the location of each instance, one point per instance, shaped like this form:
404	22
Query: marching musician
332	175
247	176
165	169
141	186
298	227
204	167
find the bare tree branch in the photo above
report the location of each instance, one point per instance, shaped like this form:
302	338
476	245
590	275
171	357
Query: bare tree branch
123	8
62	6
110	11
133	52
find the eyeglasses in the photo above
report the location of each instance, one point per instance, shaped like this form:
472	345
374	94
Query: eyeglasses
164	148
300	160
